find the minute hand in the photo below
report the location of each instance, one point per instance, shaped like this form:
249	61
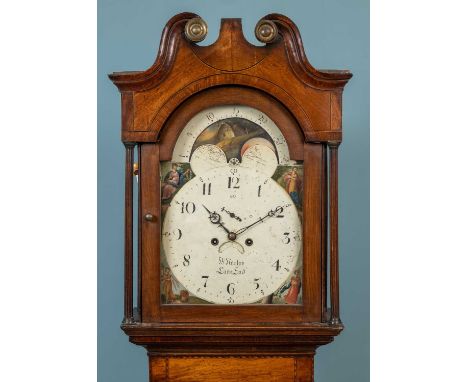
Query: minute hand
269	214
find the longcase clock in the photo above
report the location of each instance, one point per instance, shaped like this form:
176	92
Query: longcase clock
237	182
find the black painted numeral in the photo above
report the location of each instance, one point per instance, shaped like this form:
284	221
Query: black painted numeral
177	233
279	212
276	264
259	190
257	285
233	182
286	238
188	207
206	189
186	261
262	119
206	280
230	289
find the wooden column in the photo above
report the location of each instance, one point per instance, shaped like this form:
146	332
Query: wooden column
128	256
334	272
139	234
324	232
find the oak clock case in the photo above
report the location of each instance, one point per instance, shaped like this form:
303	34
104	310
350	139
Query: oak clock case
236	162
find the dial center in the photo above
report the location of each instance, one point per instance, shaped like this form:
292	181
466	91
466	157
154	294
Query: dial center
232	236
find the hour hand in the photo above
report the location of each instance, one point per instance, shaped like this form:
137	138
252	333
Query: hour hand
216	219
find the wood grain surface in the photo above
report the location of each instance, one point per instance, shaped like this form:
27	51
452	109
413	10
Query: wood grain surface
231	369
183	69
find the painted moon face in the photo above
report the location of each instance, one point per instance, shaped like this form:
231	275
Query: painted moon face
256	141
261	158
207	157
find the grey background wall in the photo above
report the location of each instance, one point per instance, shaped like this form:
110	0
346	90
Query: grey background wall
335	34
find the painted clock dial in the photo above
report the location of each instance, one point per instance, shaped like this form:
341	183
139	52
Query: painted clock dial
231	232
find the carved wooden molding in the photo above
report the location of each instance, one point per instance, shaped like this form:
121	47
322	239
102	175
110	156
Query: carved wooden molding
183	68
219	340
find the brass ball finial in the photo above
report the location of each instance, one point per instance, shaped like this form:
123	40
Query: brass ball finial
196	29
266	31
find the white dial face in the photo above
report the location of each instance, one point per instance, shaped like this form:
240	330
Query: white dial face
232	234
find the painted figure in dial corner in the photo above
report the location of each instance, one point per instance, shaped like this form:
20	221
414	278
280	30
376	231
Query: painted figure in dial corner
173	180
293	288
293	184
167	286
172	292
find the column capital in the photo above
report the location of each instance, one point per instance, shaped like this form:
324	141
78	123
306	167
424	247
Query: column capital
333	144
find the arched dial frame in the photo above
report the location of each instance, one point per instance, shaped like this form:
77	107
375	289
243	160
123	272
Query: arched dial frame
313	304
242	270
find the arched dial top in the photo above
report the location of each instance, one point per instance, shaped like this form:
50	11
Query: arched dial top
208	117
